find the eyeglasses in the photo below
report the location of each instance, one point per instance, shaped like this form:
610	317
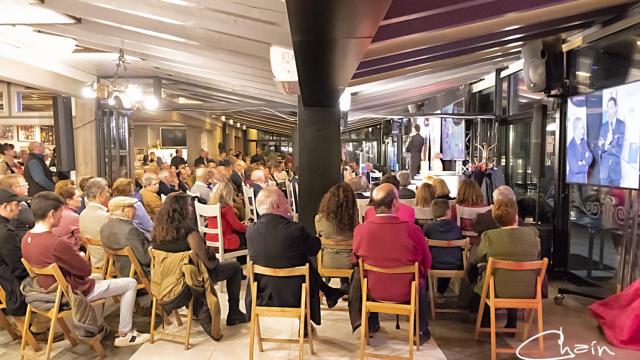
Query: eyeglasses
23	185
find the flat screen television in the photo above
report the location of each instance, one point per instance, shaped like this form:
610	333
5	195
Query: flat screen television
603	136
173	137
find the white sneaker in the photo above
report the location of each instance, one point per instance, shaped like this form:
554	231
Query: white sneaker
132	338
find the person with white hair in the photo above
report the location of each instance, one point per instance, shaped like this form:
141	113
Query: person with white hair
201	186
405	180
149	193
95	214
485	221
259	181
166	184
278	242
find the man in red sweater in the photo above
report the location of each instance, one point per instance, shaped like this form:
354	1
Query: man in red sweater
41	248
387	241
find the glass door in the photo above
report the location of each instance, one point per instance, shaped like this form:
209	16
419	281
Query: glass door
114	139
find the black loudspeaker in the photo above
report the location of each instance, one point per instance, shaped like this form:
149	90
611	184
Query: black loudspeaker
611	64
386	127
63	129
543	64
538	128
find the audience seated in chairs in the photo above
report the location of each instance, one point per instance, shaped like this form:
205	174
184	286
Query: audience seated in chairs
404	177
126	187
94	216
237	175
184	178
18	185
69	227
167	184
175	232
201	186
41	248
510	242
404	212
233	230
372	243
443	228
360	185
441	189
120	232
469	195
276	241
337	218
150	199
12	271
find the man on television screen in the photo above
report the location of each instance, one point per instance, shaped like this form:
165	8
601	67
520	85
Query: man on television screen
611	142
579	156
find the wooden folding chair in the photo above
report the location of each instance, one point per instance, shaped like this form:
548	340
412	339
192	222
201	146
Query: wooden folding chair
424	214
204	212
302	313
411	310
89	241
330	272
56	316
434	274
530	305
154	305
19	324
249	203
292	195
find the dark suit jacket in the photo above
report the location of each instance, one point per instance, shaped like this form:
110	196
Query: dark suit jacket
277	242
256	189
444	258
12	272
486	222
236	180
578	153
406	193
176	161
164	189
414	147
201	161
610	167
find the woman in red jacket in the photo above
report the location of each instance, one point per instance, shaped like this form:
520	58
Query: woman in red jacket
233	229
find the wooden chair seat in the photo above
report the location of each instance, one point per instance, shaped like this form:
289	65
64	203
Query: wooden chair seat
410	309
531	306
435	274
56	316
301	313
333	272
18	321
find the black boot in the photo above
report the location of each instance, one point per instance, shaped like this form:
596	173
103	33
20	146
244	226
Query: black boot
235	316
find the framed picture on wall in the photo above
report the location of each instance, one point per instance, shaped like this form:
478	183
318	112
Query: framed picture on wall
46	135
26	132
7	132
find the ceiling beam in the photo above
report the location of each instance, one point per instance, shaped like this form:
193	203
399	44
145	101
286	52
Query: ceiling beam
418	40
199	36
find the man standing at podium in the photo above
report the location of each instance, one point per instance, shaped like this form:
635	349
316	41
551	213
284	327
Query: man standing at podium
414	148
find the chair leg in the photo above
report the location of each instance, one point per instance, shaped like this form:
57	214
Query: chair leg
252	333
301	337
308	324
432	297
67	332
152	326
189	321
492	311
4	322
364	326
540	328
259	333
30	339
52	330
479	319
97	346
25	328
528	317
417	321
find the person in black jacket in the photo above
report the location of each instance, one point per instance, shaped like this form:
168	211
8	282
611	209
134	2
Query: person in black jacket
443	228
405	180
203	159
414	147
178	160
276	241
12	272
236	177
166	187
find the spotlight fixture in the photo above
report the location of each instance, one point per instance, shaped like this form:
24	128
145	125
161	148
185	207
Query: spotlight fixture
89	92
345	100
151	103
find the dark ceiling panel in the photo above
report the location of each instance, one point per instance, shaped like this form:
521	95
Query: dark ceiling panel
457	17
329	40
403	9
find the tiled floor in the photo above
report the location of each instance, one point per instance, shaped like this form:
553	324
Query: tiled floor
452	339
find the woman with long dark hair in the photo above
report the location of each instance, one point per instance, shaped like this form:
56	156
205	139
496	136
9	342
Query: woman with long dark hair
175	231
336	220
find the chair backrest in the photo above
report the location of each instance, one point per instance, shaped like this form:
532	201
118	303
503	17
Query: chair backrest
163	197
539	265
135	269
291	196
91	241
462	243
362	209
406	269
336	244
423	213
409	202
203	212
286	272
62	287
471	213
3	298
362	202
249	202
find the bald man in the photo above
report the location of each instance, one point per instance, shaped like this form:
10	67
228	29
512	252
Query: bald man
387	241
